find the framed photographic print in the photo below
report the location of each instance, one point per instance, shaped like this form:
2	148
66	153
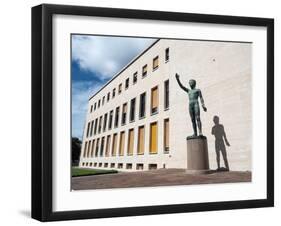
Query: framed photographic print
145	112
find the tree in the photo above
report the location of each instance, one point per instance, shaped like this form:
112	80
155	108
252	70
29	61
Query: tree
76	150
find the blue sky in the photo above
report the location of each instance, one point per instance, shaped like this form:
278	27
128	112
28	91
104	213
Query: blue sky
95	60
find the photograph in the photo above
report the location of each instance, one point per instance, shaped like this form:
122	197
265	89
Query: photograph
149	112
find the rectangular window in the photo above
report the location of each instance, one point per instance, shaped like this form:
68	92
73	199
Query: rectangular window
166	135
130	149
139	166
96	126
167	54
152	166
135	77
89	149
100	122
103	99
112	165
166	94
116	117
108	96
142	105
91	109
144	70
124	114
122	143
95	106
99	103
107	149
102	146
153	138
120	88
114	145
97	147
85	149
155	63
141	140
154	100
129	166
104	122
133	110
113	93
120	165
127	83
110	120
92	126
92	149
88	129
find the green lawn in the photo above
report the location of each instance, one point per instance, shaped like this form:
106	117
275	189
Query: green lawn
78	172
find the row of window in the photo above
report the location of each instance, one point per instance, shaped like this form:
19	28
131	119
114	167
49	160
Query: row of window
139	166
100	124
155	65
107	145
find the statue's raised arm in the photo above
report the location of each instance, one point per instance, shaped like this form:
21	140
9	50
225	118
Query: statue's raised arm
181	85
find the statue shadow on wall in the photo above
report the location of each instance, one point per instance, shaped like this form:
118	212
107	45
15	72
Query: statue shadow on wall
220	142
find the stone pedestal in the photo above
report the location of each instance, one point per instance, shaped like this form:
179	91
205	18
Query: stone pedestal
197	154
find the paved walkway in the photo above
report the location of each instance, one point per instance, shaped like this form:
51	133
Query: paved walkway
161	177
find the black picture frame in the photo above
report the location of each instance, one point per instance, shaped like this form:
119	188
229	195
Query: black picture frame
42	111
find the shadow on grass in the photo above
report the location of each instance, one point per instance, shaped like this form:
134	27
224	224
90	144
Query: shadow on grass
80	172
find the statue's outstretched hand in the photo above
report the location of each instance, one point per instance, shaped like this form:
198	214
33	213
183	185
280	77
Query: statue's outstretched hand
227	143
177	76
204	108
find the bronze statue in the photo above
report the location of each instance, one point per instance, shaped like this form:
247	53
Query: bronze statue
194	109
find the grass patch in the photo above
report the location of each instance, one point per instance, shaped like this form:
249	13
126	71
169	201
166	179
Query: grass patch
78	172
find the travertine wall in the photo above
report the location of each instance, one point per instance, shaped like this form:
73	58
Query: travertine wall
223	73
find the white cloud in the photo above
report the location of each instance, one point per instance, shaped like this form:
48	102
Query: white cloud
106	55
81	91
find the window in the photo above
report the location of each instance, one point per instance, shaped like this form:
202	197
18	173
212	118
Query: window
102	146
141	140
100	164
96	126
110	120
139	166
95	164
108	96
108	140
124	114
112	165
113	93
103	99
166	135
114	145
130	149
122	143
153	138
100	122
104	122
135	77
97	147
142	105
133	110
116	117
105	165
88	129
144	70
91	109
89	148
85	149
155	63
166	94
152	166
154	100
120	165
120	88
127	83
95	106
92	150
129	166
91	131
167	54
99	104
